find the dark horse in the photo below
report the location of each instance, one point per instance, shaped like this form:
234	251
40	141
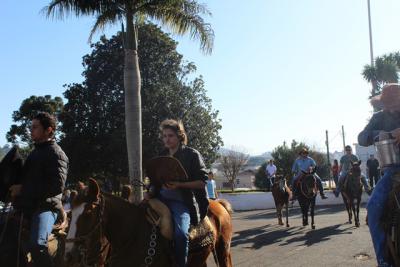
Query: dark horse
352	190
134	240
14	228
281	194
307	188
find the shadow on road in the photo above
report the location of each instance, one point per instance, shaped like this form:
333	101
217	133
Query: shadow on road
319	235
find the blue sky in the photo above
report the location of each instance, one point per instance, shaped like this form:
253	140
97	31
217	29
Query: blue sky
280	69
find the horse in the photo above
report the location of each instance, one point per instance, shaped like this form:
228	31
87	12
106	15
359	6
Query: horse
133	239
352	190
14	226
308	191
281	194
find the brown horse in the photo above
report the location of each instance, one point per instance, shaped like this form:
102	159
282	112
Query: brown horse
308	192
281	194
134	241
352	190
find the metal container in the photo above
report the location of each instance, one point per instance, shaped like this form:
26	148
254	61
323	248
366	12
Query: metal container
388	151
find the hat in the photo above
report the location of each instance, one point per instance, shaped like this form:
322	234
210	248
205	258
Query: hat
303	150
389	99
165	169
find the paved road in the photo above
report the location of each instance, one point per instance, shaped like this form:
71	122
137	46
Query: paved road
259	241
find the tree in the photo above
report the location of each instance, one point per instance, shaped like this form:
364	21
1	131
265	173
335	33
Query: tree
385	70
19	132
93	128
232	163
181	16
284	156
260	180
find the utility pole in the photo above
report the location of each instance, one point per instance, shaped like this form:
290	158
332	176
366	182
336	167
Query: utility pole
344	141
371	49
329	160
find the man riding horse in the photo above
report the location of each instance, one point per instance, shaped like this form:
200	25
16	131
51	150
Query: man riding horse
303	164
385	121
39	194
186	199
344	168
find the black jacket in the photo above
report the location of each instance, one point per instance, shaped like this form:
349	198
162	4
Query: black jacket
195	199
44	175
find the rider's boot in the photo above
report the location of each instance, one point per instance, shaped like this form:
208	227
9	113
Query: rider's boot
323	196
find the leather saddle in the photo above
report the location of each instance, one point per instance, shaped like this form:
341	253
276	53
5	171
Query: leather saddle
200	235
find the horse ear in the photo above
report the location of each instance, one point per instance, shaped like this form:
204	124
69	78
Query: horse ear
93	190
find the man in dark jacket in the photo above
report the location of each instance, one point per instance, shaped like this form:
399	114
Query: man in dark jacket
39	194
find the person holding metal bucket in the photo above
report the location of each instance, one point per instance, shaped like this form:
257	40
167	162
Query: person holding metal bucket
383	130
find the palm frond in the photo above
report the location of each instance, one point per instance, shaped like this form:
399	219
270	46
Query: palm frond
182	17
108	17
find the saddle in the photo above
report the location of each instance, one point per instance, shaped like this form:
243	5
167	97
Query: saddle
200	235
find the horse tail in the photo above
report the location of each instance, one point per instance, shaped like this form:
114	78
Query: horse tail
226	205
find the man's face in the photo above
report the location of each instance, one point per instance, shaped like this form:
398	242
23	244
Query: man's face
38	133
371	157
304	154
348	151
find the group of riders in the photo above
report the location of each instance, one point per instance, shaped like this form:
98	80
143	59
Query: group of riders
39	193
384	124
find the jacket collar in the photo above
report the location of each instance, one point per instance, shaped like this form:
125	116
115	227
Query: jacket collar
44	144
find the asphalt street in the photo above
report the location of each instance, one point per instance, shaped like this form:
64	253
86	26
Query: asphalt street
259	241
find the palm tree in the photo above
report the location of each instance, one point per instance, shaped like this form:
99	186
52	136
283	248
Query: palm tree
180	16
385	70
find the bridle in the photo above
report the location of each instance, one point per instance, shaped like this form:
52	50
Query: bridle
82	240
305	175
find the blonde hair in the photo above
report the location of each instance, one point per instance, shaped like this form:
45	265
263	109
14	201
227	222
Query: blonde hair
177	127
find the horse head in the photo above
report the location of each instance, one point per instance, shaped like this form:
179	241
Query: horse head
10	172
308	182
356	168
85	240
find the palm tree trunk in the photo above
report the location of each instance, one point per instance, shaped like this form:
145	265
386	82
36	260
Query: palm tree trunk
133	109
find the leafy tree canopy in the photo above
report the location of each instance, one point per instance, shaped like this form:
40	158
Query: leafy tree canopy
19	132
93	118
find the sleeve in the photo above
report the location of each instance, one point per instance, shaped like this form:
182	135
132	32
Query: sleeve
199	171
366	137
313	164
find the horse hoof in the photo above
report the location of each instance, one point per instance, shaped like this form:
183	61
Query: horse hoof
287	225
350	222
357	224
305	224
280	223
313	227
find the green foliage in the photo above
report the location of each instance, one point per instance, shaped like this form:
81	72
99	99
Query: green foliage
19	132
93	119
385	70
261	177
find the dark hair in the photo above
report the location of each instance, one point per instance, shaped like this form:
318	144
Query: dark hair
335	161
347	147
47	121
176	127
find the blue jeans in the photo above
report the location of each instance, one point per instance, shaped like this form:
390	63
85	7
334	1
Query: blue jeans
375	207
181	217
41	227
341	181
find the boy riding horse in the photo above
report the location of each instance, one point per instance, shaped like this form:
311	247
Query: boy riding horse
39	194
303	164
387	120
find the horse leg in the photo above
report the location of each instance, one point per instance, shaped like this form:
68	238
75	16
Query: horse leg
223	253
287	213
312	212
348	208
305	213
357	212
279	213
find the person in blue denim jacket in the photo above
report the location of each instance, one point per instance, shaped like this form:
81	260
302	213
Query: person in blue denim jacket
388	121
